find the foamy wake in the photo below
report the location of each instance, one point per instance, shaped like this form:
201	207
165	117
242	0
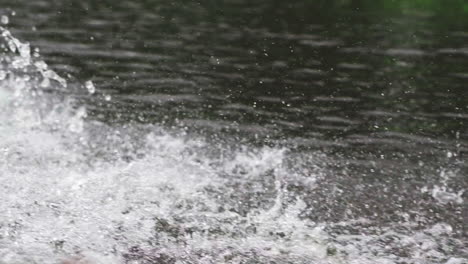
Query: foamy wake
74	190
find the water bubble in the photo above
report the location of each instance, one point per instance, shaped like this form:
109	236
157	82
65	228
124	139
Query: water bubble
90	87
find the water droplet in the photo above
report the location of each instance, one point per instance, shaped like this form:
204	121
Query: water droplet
23	49
4	19
41	65
36	52
54	76
90	87
11	46
2	75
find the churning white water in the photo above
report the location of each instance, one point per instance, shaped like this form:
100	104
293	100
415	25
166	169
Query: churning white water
74	190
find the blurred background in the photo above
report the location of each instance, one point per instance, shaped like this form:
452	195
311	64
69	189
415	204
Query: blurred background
325	69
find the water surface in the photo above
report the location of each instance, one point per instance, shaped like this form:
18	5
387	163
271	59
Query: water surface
233	132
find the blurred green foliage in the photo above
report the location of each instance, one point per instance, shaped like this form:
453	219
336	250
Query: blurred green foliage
449	8
452	9
444	12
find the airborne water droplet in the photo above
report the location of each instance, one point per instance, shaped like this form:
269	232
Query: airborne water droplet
90	87
4	19
54	76
41	65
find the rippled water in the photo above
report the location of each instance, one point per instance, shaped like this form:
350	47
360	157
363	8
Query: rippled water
143	132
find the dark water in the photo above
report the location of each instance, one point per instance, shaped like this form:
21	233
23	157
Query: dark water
311	132
295	73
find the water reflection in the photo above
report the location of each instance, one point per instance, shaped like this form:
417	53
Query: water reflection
282	64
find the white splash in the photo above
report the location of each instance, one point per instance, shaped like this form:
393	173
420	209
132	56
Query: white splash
89	85
74	190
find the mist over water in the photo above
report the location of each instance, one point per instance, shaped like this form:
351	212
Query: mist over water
203	142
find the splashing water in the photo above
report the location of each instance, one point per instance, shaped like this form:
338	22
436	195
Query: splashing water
74	190
90	87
